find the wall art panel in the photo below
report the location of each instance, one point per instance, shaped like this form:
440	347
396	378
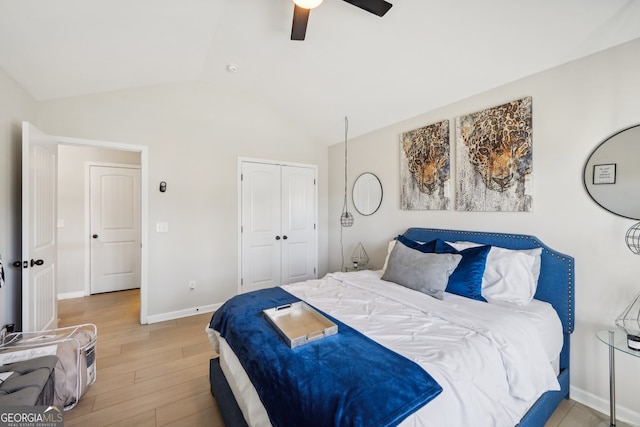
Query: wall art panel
494	159
424	168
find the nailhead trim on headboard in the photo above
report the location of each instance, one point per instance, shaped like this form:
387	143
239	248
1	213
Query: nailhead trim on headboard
563	272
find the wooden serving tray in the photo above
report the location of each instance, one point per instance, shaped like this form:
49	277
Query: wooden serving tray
299	324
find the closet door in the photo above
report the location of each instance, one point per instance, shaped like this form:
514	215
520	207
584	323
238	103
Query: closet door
298	224
278	227
260	228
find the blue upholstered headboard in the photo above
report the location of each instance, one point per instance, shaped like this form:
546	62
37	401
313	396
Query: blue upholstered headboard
556	283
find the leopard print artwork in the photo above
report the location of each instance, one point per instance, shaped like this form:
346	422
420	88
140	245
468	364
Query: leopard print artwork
427	153
499	143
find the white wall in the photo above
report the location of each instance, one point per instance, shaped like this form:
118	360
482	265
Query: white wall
72	239
195	133
575	107
15	105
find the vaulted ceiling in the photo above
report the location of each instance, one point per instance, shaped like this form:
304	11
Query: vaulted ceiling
421	55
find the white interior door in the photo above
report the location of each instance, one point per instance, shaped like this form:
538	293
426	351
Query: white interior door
260	228
298	224
278	241
39	238
115	228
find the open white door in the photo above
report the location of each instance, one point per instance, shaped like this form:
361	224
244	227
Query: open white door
39	229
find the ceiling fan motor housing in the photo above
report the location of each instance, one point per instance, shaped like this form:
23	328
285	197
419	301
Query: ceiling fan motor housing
303	7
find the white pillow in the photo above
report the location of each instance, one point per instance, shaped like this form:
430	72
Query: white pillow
389	249
510	275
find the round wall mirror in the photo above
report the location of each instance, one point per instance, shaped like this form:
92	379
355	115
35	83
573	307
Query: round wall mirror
367	194
612	173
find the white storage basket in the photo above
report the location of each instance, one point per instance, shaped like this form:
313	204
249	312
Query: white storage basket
75	347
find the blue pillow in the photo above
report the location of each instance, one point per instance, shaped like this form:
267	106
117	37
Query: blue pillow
428	247
466	280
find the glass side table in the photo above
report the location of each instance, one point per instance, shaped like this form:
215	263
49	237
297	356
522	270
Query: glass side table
616	340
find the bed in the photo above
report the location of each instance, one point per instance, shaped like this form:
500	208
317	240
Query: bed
499	360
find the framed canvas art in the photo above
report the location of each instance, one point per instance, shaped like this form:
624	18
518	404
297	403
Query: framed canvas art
424	167
494	156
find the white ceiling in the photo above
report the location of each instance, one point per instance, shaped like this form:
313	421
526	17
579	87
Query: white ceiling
377	71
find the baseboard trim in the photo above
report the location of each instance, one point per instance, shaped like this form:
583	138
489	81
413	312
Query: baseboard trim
602	405
155	318
71	295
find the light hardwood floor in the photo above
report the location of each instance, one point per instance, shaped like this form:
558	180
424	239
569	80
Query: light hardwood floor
158	374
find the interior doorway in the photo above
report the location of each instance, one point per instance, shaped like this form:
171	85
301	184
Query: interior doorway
76	156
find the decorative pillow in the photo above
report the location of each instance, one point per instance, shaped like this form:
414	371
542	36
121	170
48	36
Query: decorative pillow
424	272
511	275
422	247
467	279
425	247
389	249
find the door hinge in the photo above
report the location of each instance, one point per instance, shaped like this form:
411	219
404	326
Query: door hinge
314	181
241	229
314	270
314	226
241	282
241	177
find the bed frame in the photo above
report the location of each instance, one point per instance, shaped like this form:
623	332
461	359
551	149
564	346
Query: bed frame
555	286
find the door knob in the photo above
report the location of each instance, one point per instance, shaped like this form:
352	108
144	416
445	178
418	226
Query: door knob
37	262
277	237
285	237
95	236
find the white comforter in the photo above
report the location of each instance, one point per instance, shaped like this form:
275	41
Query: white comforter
490	360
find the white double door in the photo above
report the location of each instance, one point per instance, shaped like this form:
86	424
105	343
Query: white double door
278	224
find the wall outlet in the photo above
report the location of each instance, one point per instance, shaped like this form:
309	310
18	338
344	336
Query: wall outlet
192	285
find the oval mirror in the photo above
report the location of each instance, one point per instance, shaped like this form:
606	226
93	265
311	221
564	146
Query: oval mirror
612	173
367	194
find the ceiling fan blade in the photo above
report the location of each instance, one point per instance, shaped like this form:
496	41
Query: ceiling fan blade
377	7
299	25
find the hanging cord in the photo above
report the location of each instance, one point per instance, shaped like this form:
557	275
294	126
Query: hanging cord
344	206
346	129
341	248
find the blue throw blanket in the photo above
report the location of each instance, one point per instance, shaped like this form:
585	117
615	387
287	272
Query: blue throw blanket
345	379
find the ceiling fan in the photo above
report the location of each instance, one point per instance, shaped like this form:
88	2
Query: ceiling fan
303	7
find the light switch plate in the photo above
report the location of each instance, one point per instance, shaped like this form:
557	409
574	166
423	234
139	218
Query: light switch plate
162	227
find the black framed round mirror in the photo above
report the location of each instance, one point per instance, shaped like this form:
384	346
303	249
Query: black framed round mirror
612	173
367	194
